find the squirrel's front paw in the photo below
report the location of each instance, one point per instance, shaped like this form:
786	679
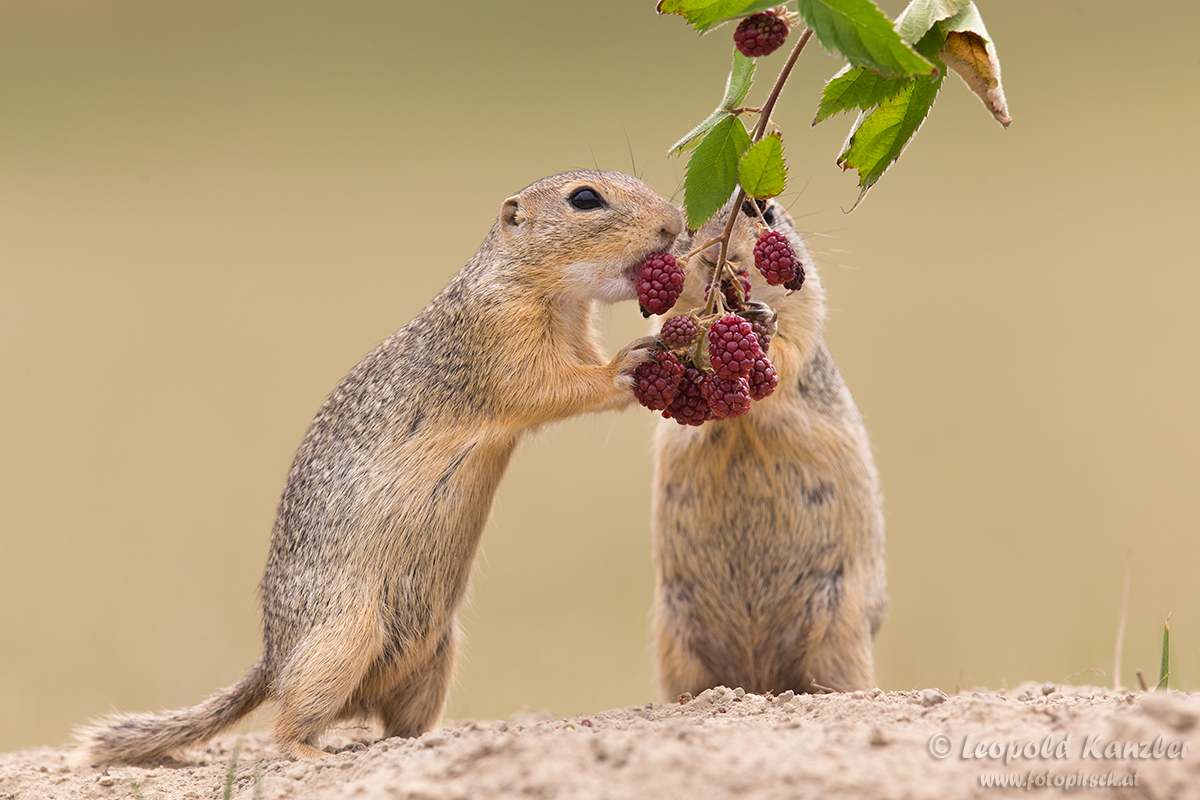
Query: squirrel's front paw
633	354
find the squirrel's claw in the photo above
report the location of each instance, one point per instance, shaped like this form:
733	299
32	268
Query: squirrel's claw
636	352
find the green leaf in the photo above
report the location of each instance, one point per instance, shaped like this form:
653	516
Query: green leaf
693	136
969	52
712	171
859	31
762	171
879	136
920	15
703	15
737	86
862	88
856	87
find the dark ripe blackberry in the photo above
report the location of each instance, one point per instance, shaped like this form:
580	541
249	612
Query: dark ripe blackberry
763	379
727	398
732	347
679	332
659	283
762	333
656	381
795	283
760	34
689	406
732	301
775	258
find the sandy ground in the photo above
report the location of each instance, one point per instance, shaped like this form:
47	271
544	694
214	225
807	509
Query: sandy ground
722	744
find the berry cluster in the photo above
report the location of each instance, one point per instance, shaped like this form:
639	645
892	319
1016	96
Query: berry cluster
713	366
709	371
760	34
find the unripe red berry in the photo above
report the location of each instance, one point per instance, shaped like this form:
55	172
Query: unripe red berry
775	258
657	380
760	34
732	347
763	379
727	398
679	332
689	406
659	283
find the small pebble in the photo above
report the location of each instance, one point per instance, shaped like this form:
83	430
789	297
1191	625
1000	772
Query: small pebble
858	695
931	697
739	692
106	780
1047	688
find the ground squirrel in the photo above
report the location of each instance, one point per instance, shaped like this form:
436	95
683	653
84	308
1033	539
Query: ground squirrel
389	491
768	528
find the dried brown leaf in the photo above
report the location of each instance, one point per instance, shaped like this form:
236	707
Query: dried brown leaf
969	52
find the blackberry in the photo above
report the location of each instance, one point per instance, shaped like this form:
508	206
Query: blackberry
678	332
689	406
762	333
732	301
763	379
732	347
727	398
775	258
659	283
760	34
657	380
795	283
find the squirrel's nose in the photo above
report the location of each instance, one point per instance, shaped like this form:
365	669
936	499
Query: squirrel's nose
673	224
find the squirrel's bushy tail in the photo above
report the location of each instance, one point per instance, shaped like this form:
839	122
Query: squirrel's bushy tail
133	738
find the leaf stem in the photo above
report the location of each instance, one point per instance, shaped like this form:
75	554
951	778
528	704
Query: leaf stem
764	119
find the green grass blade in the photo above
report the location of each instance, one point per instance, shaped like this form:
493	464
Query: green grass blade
1164	671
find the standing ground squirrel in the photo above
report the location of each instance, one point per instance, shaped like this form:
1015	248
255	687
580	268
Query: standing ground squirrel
768	528
390	489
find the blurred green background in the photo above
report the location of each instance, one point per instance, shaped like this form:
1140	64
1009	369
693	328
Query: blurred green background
209	212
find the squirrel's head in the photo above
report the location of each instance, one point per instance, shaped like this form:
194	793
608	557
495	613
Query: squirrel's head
587	232
801	314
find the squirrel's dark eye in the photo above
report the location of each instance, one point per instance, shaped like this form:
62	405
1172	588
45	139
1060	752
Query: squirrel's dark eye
767	210
587	199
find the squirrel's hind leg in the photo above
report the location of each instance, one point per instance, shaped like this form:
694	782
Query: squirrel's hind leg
321	676
413	706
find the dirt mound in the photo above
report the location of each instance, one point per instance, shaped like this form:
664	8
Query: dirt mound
1089	741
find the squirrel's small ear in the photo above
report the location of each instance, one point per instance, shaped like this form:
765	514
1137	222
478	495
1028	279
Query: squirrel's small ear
511	213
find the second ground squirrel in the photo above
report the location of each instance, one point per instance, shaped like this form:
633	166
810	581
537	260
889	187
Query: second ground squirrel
768	528
387	496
